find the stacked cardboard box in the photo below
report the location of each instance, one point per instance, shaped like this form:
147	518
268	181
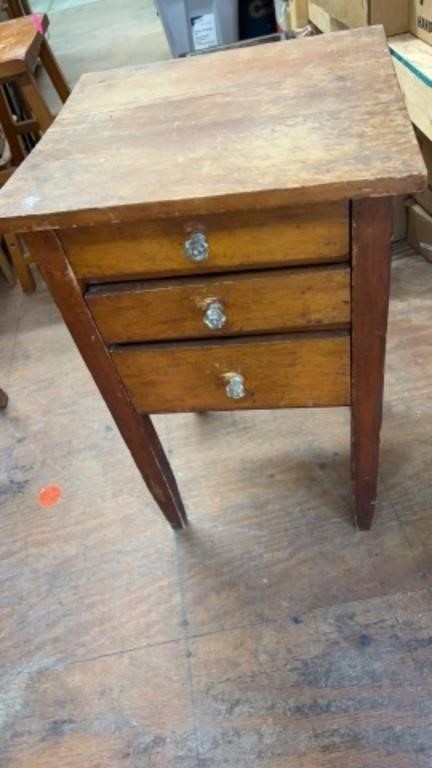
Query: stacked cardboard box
420	209
397	16
421	20
413	62
329	15
408	24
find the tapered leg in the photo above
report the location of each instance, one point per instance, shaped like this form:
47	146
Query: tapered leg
371	261
137	431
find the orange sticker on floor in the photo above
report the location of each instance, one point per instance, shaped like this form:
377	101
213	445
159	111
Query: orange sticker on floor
49	496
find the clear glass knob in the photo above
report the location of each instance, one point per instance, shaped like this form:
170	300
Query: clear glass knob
235	388
214	316
196	247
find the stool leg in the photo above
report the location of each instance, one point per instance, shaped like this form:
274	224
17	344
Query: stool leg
9	128
22	268
6	268
3	399
54	71
36	103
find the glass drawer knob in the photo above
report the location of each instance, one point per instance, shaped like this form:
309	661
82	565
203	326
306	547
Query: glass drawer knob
196	247
235	388
214	316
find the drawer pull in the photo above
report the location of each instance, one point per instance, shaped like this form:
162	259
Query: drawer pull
214	316
235	388
196	247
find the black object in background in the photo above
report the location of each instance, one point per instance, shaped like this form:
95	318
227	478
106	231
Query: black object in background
256	18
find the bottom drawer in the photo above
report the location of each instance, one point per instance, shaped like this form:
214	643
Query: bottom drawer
263	372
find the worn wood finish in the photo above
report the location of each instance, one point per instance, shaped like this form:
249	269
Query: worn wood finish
246	239
138	432
223	141
279	372
275	301
372	228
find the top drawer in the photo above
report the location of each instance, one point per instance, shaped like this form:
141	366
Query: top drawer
221	242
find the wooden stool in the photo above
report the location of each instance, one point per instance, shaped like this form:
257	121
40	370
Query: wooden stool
24	113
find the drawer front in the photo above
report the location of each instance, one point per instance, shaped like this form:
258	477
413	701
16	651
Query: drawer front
273	372
247	239
258	302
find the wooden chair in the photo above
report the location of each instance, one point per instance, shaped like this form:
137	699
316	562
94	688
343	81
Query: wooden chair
24	113
18	8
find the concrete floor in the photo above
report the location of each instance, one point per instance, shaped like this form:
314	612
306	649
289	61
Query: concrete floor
268	635
89	35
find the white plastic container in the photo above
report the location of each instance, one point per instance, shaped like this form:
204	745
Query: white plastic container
194	25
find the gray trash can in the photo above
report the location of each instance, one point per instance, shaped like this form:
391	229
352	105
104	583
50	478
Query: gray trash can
194	25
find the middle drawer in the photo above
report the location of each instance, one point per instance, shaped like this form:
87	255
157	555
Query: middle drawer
229	305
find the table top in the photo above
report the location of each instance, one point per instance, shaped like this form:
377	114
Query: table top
300	121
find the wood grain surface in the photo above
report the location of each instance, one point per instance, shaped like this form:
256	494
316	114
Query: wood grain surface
298	370
249	128
275	301
311	234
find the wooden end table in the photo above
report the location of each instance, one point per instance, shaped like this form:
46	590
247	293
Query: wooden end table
216	233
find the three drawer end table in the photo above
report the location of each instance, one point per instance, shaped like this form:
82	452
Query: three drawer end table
216	233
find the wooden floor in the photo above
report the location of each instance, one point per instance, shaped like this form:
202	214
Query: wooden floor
268	635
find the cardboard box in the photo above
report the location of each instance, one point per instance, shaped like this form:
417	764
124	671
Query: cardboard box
412	59
420	230
299	13
421	20
322	19
425	198
393	14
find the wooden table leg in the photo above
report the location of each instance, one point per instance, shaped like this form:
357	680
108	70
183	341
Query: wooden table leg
371	264
138	432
